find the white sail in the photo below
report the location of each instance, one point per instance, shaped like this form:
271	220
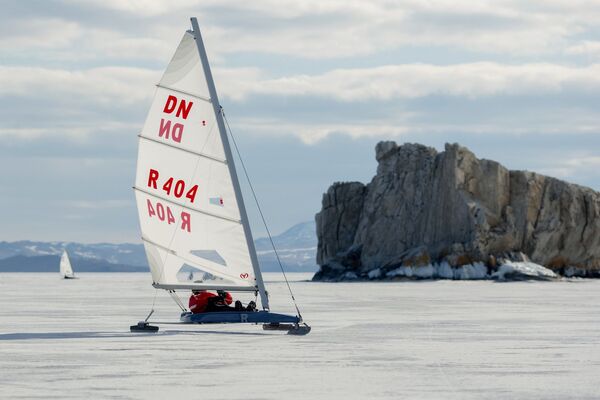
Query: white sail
66	271
189	216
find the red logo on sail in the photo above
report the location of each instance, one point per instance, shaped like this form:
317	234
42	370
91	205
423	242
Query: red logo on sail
244	275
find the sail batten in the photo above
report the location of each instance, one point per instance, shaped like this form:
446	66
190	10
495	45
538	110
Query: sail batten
223	161
183	286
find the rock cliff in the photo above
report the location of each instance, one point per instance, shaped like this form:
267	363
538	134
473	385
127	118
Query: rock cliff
450	213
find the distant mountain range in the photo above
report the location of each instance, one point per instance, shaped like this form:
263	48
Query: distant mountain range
296	248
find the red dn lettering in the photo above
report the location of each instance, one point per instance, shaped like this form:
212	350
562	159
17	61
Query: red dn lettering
164	214
183	109
170	130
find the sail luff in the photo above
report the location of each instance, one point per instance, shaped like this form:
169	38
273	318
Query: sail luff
229	156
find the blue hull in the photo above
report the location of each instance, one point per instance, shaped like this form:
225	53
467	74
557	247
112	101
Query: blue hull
258	317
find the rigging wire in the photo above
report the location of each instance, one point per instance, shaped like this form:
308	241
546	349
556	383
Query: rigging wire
260	211
177	300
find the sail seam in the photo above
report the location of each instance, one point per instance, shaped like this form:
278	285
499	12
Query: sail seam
186	150
207	99
237	221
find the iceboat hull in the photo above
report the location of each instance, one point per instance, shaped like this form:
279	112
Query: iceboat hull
235	317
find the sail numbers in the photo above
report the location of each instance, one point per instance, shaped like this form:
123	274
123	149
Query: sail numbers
164	214
174	130
171	186
183	109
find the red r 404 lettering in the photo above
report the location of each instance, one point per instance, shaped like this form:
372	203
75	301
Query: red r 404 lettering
164	214
171	186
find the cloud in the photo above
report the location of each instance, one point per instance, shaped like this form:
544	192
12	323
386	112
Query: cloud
123	85
333	29
38	33
144	8
126	85
588	48
411	81
77	78
97	204
573	166
125	93
316	29
311	134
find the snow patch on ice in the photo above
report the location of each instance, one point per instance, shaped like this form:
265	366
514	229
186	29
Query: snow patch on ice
523	269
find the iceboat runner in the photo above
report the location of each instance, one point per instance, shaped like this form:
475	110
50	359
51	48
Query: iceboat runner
66	270
191	210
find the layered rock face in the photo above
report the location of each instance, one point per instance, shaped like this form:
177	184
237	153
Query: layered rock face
425	208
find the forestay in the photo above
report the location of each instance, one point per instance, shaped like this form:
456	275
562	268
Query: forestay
190	220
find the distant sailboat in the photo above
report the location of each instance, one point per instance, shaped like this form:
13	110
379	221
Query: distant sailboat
66	271
190	204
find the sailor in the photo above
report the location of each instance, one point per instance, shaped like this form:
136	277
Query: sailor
204	301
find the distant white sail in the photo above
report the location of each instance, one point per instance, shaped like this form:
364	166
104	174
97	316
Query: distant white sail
66	271
189	216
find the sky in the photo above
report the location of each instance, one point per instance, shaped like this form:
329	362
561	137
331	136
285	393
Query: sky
309	88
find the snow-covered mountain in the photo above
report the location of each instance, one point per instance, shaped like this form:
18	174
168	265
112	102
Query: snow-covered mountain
122	253
297	248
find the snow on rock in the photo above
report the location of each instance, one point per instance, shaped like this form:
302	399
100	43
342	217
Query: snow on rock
422	272
445	271
476	270
374	274
440	271
507	270
522	270
350	276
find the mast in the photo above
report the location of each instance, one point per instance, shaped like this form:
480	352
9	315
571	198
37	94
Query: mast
229	156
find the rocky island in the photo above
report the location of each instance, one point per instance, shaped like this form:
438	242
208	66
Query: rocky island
450	215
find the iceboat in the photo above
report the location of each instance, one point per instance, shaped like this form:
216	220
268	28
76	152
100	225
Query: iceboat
190	205
66	270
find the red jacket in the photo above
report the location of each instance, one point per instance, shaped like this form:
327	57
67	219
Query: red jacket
198	302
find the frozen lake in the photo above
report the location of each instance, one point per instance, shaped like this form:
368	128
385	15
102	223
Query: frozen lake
415	340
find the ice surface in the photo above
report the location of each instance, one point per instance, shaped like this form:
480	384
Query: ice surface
69	339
